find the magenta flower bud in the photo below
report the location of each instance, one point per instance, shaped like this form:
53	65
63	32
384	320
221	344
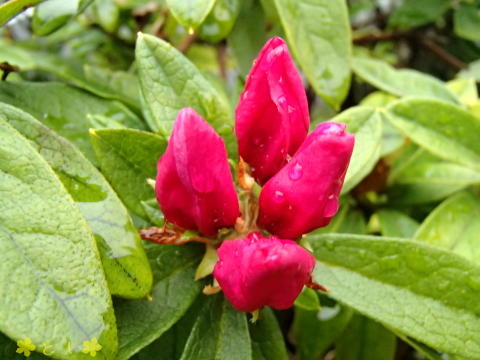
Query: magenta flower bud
256	271
272	115
303	195
194	185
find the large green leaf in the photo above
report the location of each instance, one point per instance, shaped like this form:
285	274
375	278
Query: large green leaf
65	109
454	225
128	158
413	13
366	124
422	291
51	280
190	13
316	331
365	339
466	20
220	332
318	31
126	267
403	82
266	338
13	7
140	322
170	82
443	129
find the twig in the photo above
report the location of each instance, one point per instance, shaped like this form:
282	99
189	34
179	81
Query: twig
222	59
7	69
186	42
442	54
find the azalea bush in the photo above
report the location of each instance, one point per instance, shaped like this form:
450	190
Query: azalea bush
239	180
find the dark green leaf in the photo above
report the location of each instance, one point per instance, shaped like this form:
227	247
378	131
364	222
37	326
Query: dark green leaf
126	267
348	220
394	223
8	351
220	332
266	338
170	82
140	322
316	331
318	32
454	225
417	289
412	13
50	266
466	20
64	109
365	339
128	158
248	35
403	82
443	129
219	22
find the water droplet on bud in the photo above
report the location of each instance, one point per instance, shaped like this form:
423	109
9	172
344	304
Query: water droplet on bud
295	172
278	196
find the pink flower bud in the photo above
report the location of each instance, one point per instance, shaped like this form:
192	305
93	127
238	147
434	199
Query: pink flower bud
194	185
272	115
303	195
256	271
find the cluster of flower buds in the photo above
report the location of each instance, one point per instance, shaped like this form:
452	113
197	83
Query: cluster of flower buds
301	176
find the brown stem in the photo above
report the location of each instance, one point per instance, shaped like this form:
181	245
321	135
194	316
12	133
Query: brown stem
222	59
442	54
170	236
186	42
7	69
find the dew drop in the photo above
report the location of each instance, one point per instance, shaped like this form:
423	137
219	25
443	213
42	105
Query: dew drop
278	196
280	80
295	172
282	101
291	109
245	94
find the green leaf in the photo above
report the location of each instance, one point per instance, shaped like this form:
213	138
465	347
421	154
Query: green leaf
128	158
308	300
107	14
316	331
365	339
220	332
318	32
454	225
419	290
126	267
403	82
366	124
52	14
248	35
170	82
412	13
65	109
443	129
13	7
465	90
219	22
466	21
153	212
50	267
190	13
140	322
395	223
266	338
